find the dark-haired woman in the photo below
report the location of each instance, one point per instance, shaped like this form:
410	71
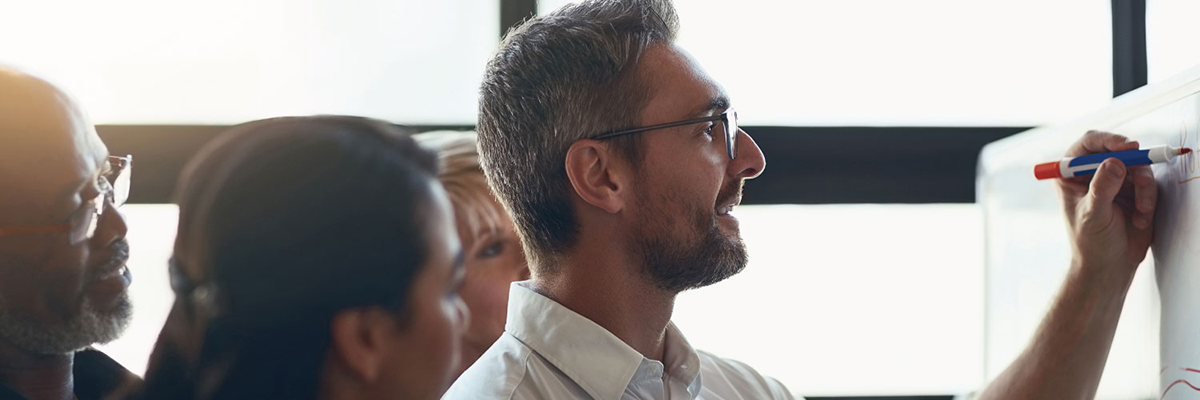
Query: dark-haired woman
316	258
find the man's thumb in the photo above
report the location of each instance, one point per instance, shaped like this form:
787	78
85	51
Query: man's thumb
1106	183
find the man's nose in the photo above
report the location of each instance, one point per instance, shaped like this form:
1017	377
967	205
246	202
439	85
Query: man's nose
750	161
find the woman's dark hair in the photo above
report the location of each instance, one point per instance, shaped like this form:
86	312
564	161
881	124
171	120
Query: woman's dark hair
282	224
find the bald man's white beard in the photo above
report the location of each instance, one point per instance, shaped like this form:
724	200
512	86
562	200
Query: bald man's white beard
90	326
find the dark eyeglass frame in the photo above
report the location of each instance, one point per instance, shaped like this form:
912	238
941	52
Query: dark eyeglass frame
728	120
81	224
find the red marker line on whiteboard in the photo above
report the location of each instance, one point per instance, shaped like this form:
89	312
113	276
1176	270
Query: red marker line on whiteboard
1086	165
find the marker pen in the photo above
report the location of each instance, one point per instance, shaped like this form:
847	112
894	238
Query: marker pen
1086	165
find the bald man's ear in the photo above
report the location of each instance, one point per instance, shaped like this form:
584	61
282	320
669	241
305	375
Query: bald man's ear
595	175
359	339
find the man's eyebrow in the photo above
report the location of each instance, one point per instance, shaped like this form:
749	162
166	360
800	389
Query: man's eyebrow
106	165
718	103
81	183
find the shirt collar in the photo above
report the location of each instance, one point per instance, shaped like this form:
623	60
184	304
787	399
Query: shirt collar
681	360
590	355
600	362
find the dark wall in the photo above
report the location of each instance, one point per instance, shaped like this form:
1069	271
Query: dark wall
804	165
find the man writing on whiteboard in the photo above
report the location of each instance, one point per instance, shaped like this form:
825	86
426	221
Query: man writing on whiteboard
620	160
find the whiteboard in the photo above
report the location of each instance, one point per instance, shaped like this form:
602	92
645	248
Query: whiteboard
1156	351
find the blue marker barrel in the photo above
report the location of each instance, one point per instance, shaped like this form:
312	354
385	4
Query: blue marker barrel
1087	165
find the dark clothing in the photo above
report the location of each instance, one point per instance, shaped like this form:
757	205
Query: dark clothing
96	377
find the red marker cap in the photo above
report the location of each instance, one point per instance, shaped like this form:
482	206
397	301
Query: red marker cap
1048	170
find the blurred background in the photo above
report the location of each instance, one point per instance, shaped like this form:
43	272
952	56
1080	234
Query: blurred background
867	258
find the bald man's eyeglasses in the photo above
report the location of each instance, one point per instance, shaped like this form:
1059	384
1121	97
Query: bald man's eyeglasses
729	128
81	225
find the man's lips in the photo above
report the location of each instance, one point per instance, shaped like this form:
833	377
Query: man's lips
729	198
726	207
120	271
112	269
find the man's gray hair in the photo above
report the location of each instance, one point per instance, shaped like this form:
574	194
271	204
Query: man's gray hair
556	79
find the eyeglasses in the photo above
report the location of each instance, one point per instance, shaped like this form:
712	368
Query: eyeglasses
81	225
728	124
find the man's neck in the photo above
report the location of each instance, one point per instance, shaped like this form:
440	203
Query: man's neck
37	377
613	294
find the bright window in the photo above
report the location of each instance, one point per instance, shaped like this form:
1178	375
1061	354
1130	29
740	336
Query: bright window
851	300
151	241
228	61
903	63
1171	37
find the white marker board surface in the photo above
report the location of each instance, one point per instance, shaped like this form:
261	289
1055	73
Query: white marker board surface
1156	353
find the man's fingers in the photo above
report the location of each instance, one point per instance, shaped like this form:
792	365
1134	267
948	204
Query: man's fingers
1101	142
1127	145
1145	189
1145	195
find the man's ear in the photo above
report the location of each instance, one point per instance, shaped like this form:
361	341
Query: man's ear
595	175
359	338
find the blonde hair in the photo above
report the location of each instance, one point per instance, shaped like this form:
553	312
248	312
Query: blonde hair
460	174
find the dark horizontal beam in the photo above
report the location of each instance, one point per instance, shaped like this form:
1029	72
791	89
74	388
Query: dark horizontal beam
815	165
810	165
161	151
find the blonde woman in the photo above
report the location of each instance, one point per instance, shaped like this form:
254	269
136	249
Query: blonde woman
493	251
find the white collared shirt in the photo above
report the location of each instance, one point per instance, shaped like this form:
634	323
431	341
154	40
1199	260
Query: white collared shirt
549	352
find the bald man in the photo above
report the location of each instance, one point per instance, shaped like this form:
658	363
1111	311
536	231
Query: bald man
63	279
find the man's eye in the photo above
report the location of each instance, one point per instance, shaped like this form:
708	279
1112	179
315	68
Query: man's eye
103	185
708	130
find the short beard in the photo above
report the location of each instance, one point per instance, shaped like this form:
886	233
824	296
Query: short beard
90	326
676	262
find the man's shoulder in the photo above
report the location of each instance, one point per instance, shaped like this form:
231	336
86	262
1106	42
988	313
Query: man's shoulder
98	376
722	374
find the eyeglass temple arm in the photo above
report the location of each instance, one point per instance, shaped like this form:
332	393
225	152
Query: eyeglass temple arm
720	117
